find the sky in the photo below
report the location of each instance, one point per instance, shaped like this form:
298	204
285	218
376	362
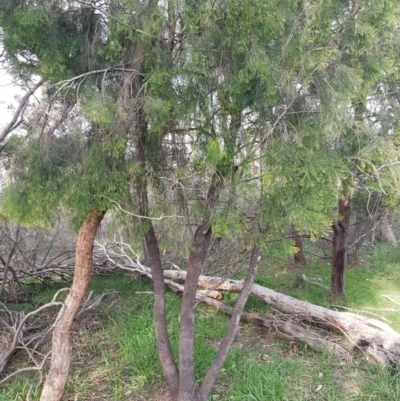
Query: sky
8	94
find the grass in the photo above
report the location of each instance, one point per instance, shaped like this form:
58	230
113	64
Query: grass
115	355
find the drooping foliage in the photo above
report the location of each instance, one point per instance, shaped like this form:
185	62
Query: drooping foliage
281	108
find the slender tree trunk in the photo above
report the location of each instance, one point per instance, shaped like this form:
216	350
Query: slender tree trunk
54	386
387	232
340	231
164	349
227	341
187	385
299	258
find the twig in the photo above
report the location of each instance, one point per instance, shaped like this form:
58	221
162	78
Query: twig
391	300
139	216
303	276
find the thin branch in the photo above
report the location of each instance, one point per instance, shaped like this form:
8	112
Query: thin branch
139	216
390	299
20	110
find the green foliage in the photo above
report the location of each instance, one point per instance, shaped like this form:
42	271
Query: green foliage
40	181
302	190
48	40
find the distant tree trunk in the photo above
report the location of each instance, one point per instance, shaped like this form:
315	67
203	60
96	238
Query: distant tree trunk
340	231
54	386
386	230
299	258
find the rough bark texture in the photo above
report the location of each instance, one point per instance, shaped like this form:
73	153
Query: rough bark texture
299	258
54	386
340	231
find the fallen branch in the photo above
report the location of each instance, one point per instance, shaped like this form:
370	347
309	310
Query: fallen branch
372	336
324	287
285	328
16	334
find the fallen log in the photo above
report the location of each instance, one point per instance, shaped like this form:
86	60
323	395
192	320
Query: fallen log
285	328
368	335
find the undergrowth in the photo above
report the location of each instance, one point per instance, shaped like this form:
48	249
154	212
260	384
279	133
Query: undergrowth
114	352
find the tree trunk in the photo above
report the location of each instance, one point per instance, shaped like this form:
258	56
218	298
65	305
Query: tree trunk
54	386
340	231
299	258
387	232
187	384
236	314
164	349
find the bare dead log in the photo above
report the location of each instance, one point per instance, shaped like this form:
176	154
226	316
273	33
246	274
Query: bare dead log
286	326
369	335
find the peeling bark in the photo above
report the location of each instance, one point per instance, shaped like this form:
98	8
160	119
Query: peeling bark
54	386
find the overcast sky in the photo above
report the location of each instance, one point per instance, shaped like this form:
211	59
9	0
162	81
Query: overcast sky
8	94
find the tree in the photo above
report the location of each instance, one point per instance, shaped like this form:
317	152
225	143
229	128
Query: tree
367	48
229	108
54	168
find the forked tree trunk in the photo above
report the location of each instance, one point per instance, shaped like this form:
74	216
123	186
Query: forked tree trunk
187	382
54	386
299	258
340	232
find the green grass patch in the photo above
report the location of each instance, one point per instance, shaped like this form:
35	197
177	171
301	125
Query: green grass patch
115	356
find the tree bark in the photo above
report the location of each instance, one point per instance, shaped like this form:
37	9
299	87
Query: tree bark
187	385
299	258
340	232
164	349
387	232
54	386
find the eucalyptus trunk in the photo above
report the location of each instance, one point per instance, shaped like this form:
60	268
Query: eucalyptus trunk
54	386
340	233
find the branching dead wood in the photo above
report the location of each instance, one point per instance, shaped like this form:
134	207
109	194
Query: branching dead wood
26	332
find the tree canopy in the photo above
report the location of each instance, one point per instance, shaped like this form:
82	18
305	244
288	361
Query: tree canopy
236	119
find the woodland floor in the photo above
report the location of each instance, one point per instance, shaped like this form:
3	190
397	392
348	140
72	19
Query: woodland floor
114	355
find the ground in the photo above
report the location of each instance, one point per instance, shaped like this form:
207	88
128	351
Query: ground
114	355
